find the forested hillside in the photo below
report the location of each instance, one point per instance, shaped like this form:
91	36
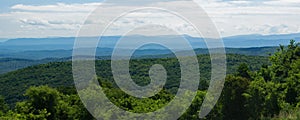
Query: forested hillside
256	88
11	64
58	74
18	60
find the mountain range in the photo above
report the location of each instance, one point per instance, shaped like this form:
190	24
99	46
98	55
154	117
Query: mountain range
61	47
66	43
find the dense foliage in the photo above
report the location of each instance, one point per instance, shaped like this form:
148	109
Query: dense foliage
18	60
58	74
255	89
11	64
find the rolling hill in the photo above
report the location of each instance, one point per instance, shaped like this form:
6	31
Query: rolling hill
58	74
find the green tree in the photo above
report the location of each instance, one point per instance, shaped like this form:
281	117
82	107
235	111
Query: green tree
282	60
243	71
263	98
233	101
276	87
40	100
3	106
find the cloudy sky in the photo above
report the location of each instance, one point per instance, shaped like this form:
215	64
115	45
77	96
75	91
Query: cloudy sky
53	18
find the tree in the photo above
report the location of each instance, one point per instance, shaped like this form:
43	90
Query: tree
262	98
232	98
276	87
282	60
243	71
42	99
47	103
3	106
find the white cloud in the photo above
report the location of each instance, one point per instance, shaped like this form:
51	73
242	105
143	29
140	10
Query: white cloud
283	3
35	22
232	17
267	29
59	7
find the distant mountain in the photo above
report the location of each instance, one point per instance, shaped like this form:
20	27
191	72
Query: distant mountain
42	54
66	43
253	51
3	39
11	64
41	48
24	59
255	40
264	37
152	53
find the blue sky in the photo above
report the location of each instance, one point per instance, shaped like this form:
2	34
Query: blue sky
49	18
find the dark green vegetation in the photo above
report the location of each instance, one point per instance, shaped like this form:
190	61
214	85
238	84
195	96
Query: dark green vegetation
253	51
257	88
43	54
11	64
17	60
57	74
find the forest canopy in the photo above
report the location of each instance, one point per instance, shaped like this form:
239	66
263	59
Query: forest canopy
258	88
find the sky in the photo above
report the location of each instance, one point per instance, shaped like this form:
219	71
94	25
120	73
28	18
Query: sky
54	18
